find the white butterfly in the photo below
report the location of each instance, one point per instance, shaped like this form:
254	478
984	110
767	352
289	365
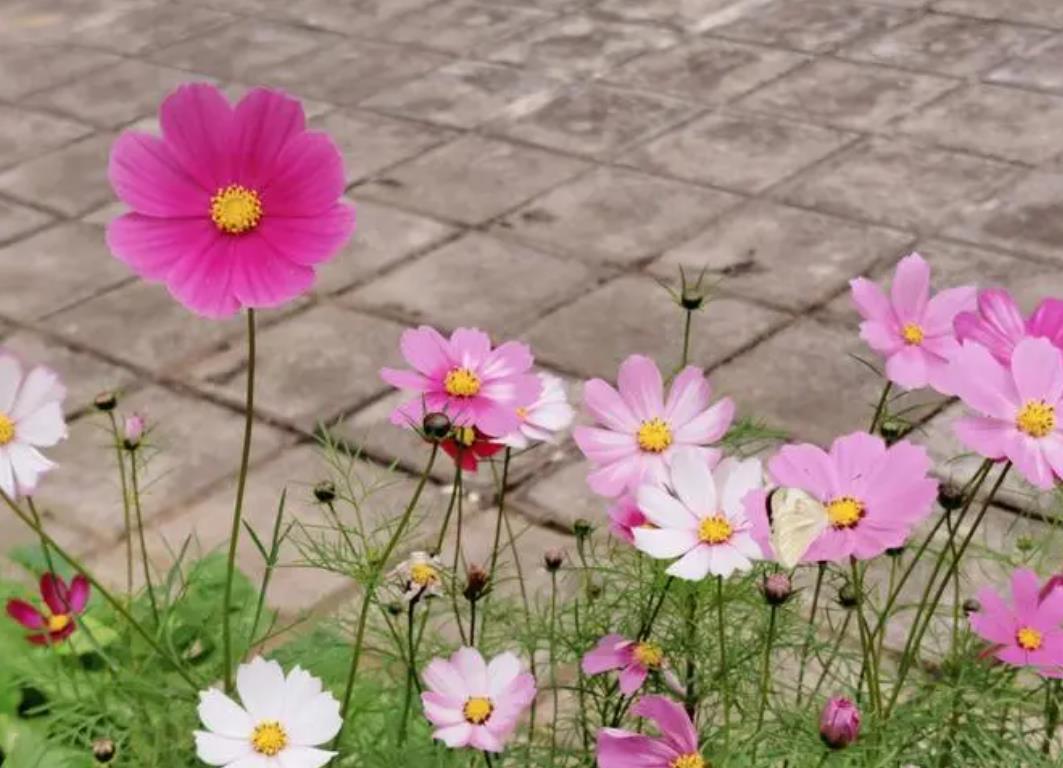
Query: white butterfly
797	519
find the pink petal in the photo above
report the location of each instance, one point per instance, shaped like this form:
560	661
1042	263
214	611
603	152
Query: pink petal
485	741
509	359
262	276
1047	321
203	282
153	246
265	121
1026	592
426	350
455	736
985	436
688	396
622	749
1038	370
911	288
881	337
55	594
982	383
79	593
473	670
469	347
403	379
639	382
444	678
1025	453
871	302
610	480
311	239
602	446
608	407
25	614
942	309
611	652
994	621
856	456
709	426
631	678
442	710
804	466
672	720
308	178
998	324
907	368
148	178
197	125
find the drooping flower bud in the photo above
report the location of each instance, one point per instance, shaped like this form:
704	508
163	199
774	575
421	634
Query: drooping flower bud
325	491
476	579
847	597
970	605
436	425
582	528
950	497
106	401
777	588
133	431
839	725
553	559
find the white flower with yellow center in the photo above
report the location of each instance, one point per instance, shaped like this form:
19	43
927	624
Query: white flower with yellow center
704	523
419	576
282	720
31	417
545	420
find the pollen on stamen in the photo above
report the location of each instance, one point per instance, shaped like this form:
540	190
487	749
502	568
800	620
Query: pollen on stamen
235	209
461	382
1036	418
845	512
7	429
715	530
1029	639
913	334
654	435
478	710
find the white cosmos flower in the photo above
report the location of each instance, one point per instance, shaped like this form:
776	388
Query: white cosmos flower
281	721
545	419
419	576
31	417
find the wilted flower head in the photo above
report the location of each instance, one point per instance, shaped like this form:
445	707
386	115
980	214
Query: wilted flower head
477	580
635	660
640	431
1025	631
910	329
64	604
473	703
839	725
31	417
544	420
281	721
676	747
998	324
419	576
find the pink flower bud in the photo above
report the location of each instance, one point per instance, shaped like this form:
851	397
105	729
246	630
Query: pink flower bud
133	430
840	723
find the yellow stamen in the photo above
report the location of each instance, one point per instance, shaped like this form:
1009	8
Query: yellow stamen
913	334
461	382
465	435
689	761
654	435
235	209
478	710
58	622
522	413
423	574
7	429
845	512
1037	418
715	530
1029	639
649	655
269	738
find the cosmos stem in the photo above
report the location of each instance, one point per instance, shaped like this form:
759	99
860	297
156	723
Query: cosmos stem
140	535
765	680
821	570
126	516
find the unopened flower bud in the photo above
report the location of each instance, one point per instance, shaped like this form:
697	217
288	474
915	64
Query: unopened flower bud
1024	544
106	401
691	302
950	497
395	608
970	605
582	528
847	597
476	579
776	588
895	551
103	751
553	559
133	431
436	425
892	430
325	491
839	725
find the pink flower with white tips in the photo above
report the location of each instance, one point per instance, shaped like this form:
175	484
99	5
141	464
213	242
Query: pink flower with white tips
473	703
640	431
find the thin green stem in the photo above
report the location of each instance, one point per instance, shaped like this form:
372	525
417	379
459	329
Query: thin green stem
44	544
241	482
724	678
647	629
821	570
765	681
690	700
834	651
140	536
869	668
1052	690
457	554
498	531
880	409
686	339
553	665
411	670
126	515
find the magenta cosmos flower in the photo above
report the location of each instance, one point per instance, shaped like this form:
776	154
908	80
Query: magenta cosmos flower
633	658
233	206
624	517
704	524
998	324
1019	407
640	431
463	377
676	747
475	704
63	603
839	724
1028	631
911	330
873	495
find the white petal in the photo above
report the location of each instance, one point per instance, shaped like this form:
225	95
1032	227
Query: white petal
261	685
213	749
300	688
28	465
39	387
470	665
316	722
443	677
7	475
44	426
725	560
10	379
738	479
254	760
694	566
224	716
664	543
664	509
454	736
303	757
502	671
693	482
747	545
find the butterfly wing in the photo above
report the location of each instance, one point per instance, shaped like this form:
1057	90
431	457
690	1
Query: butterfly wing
797	519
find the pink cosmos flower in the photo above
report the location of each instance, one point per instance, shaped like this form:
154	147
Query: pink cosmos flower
475	704
467	445
874	495
624	517
1028	631
545	419
64	604
676	747
1019	407
31	417
912	331
463	377
634	659
704	524
998	324
839	724
641	431
233	206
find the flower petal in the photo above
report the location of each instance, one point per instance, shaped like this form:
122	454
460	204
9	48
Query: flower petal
223	716
693	483
10	381
672	721
203	281
693	566
263	276
303	757
688	396
148	177
25	614
608	407
664	509
664	543
911	288
639	383
261	686
197	125
1038	370
264	122
153	246
310	239
308	178
213	749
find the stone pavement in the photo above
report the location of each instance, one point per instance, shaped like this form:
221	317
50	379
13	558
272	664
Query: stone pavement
530	167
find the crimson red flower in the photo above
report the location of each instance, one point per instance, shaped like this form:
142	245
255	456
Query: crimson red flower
467	445
64	604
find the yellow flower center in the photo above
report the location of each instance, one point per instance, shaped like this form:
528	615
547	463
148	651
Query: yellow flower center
689	761
478	710
522	413
235	209
465	435
7	429
423	574
912	334
269	738
845	512
1029	639
461	382
715	530
1037	418
654	435
649	655
58	622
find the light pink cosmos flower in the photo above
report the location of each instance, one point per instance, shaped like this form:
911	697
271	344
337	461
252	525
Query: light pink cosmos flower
31	417
233	206
641	431
1020	407
912	331
874	495
998	324
676	747
463	377
475	704
624	517
634	659
1028	631
704	524
544	420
